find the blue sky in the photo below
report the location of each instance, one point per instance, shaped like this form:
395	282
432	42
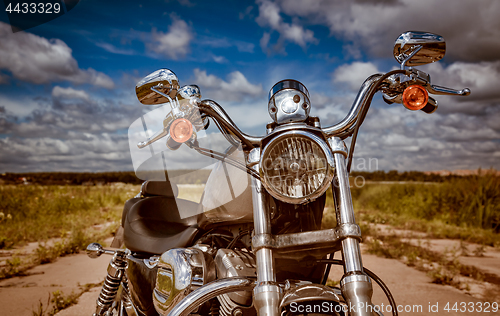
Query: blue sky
67	86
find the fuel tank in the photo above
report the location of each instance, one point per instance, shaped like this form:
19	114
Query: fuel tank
228	195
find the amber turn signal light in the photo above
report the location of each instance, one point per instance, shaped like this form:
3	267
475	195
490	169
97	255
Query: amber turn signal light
415	97
181	130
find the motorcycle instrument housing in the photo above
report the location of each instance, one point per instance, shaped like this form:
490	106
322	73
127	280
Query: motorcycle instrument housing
289	102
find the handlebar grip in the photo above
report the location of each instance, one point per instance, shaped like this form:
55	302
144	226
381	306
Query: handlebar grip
172	144
431	106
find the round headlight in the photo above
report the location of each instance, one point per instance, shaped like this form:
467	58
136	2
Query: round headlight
296	167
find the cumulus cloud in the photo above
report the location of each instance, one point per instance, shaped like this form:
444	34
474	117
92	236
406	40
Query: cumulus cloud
35	59
374	25
482	78
354	74
235	88
73	110
269	16
175	43
69	93
405	140
74	131
102	152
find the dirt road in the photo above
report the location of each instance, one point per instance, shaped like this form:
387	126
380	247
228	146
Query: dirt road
21	295
412	289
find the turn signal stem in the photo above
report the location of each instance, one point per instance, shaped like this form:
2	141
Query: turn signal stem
415	97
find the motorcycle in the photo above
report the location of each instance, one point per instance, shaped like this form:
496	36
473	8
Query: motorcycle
259	249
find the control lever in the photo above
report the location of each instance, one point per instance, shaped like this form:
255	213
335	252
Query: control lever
446	91
154	138
422	78
160	134
95	250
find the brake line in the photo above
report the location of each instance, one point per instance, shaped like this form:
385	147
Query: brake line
372	275
364	111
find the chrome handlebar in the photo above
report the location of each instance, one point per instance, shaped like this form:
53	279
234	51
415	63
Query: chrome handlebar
344	128
214	106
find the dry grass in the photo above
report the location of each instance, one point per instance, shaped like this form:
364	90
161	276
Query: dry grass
69	213
39	212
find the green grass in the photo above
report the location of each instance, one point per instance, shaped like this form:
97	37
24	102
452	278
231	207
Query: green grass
472	201
460	208
42	212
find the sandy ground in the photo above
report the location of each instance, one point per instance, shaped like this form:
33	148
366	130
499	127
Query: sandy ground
20	295
411	289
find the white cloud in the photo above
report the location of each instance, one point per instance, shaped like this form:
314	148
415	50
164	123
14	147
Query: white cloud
219	59
115	50
472	31
175	43
69	93
235	88
354	74
482	78
104	152
269	15
35	59
218	42
264	41
19	106
406	140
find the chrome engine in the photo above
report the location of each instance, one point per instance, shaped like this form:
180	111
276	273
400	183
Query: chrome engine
307	298
181	271
234	263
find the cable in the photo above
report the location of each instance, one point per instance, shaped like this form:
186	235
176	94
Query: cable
327	271
227	125
237	238
226	134
374	277
364	111
224	158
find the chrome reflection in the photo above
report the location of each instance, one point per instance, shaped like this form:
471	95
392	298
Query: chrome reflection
180	271
158	87
419	48
210	291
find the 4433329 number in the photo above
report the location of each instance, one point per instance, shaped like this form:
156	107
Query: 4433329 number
40	7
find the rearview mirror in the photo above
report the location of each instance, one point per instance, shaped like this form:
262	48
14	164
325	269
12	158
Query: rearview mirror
157	87
419	48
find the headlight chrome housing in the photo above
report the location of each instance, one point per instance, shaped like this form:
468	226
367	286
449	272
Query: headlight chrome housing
296	167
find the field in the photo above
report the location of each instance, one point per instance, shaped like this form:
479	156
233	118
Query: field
465	208
62	219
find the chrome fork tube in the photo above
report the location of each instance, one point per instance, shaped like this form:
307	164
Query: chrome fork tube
266	293
355	284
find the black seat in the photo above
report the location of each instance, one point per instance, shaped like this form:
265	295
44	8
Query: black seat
153	224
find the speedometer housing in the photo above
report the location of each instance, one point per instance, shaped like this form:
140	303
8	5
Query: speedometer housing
296	167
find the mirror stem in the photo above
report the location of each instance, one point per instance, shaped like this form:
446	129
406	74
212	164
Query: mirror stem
403	63
170	101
